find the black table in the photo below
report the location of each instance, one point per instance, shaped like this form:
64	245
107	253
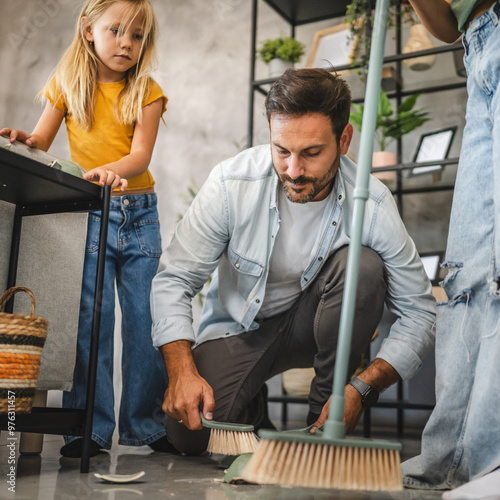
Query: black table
36	189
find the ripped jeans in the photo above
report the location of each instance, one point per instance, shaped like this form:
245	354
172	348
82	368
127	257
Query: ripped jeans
461	440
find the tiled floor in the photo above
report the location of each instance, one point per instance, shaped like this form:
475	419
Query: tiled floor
50	476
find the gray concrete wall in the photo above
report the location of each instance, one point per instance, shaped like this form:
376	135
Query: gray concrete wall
204	50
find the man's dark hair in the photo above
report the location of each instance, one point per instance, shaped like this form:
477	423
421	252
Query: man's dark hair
301	91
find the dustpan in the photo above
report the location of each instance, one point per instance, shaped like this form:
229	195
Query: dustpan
292	459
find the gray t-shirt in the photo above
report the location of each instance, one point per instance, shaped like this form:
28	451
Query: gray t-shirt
295	245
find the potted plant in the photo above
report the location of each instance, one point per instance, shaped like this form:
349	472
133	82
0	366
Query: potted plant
391	125
280	53
359	17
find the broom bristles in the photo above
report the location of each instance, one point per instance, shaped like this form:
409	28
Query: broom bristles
319	465
227	442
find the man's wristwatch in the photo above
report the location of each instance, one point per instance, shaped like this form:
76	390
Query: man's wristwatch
369	395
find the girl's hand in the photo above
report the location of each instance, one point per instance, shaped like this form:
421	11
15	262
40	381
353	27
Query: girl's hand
106	177
19	135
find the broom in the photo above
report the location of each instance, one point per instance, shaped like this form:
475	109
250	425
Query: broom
228	438
329	459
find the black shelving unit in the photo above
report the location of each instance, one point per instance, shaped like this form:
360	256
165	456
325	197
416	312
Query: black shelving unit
295	13
301	12
36	189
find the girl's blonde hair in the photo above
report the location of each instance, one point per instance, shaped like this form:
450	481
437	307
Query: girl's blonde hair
76	73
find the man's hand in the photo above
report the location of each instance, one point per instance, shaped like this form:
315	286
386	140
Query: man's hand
187	391
184	397
352	410
379	374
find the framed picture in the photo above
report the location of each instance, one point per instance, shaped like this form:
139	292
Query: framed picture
433	146
331	47
431	263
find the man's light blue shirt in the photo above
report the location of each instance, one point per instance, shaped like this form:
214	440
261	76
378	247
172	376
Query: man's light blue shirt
231	226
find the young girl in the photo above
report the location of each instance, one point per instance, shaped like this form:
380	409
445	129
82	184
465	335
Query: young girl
112	108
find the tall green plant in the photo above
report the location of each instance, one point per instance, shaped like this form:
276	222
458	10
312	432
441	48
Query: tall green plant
392	125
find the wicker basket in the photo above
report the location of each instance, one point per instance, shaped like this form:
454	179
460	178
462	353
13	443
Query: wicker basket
21	343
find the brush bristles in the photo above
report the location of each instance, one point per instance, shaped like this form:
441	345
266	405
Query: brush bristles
228	442
317	465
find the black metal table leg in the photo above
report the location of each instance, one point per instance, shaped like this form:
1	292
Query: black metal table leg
96	322
14	255
400	411
251	97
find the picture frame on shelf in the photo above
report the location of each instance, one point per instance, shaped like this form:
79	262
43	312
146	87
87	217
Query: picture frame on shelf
433	146
332	47
431	261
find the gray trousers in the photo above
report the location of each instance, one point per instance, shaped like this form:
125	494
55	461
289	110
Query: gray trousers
305	336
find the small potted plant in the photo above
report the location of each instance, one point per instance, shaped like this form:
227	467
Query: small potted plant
280	53
391	125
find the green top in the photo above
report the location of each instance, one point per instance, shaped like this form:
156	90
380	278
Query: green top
462	10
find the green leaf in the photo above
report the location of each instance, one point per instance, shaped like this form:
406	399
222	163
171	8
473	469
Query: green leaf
384	105
408	103
356	117
390	125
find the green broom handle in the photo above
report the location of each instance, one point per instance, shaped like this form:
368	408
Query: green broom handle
334	427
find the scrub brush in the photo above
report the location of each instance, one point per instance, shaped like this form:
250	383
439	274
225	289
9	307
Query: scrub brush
228	438
329	459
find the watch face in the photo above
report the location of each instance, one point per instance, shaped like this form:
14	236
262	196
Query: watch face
370	397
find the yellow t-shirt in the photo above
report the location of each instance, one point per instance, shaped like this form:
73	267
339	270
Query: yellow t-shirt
108	140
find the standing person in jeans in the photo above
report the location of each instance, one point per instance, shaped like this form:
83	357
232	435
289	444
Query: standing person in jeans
275	222
461	440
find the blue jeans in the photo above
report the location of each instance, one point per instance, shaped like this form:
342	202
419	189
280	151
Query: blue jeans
132	254
461	440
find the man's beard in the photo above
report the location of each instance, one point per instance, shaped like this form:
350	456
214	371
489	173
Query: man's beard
317	184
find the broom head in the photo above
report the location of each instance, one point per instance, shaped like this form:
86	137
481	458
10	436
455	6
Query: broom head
298	459
230	439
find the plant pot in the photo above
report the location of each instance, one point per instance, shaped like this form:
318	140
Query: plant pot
277	67
391	79
384	159
419	40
